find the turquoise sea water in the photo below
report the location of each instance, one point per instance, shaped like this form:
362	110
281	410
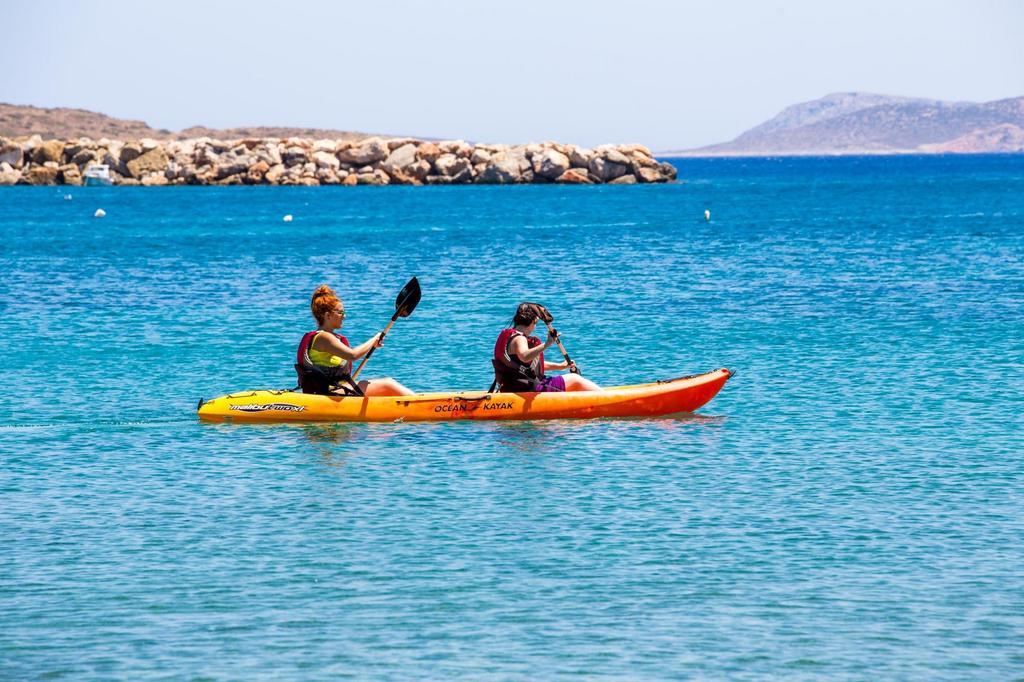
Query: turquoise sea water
851	505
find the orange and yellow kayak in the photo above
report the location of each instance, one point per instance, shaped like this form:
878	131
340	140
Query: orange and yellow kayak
670	396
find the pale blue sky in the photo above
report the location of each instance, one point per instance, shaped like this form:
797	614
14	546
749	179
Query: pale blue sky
668	74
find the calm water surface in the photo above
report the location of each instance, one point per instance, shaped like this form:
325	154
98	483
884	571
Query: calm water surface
849	506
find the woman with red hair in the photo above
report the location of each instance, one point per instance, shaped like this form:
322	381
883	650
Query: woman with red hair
324	361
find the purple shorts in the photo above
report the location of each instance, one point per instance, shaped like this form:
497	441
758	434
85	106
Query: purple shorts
554	384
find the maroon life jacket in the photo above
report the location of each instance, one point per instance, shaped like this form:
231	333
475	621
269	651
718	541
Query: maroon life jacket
314	378
511	374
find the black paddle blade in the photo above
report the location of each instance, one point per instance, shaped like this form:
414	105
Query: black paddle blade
408	298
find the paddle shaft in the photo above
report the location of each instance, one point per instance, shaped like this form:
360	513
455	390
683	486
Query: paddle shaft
558	342
374	347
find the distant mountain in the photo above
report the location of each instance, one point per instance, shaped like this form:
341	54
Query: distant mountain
865	123
24	121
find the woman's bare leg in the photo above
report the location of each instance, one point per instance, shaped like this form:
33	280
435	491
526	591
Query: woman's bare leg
574	382
383	386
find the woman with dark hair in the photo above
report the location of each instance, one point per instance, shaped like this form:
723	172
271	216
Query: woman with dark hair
324	359
519	364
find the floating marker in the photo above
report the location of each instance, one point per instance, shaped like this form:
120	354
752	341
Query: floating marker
99	213
67	197
707	214
288	218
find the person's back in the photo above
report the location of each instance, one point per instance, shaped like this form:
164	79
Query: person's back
321	372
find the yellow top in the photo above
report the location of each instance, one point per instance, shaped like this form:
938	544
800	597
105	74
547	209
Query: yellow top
323	358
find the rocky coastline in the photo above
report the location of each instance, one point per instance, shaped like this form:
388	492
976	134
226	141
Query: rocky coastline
302	161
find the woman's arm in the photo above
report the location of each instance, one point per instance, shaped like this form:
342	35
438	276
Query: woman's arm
364	348
329	343
521	348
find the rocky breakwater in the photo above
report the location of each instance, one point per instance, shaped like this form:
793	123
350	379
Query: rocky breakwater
370	161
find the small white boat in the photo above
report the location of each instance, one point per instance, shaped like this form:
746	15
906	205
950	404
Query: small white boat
97	174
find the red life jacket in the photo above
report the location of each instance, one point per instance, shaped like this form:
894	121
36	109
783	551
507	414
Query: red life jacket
314	378
510	373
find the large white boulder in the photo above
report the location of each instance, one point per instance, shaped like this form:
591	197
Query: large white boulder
451	165
8	175
400	157
11	154
580	157
606	170
550	164
366	152
615	156
505	168
326	159
480	156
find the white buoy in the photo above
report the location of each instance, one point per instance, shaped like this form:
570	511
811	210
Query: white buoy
99	213
288	218
67	197
707	214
